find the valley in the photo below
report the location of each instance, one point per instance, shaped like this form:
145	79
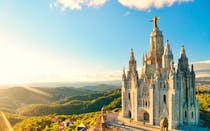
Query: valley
24	108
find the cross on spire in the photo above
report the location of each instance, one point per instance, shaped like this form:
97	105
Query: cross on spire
154	20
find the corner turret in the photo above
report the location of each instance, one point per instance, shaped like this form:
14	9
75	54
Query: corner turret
192	70
132	62
167	56
183	61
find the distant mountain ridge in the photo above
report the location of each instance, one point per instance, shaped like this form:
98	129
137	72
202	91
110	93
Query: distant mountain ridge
16	97
207	79
101	87
75	105
75	84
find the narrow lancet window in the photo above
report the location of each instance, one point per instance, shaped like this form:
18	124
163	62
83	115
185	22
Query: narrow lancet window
185	114
164	99
192	114
129	96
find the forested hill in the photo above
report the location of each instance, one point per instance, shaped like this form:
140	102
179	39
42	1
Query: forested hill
76	105
17	97
88	101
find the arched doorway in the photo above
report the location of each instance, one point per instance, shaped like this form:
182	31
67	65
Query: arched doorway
143	116
146	116
129	114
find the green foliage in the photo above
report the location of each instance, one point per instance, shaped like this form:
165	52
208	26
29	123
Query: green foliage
87	103
204	100
33	123
17	97
44	123
114	104
75	105
87	97
203	97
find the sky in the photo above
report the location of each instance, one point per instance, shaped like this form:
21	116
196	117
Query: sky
90	40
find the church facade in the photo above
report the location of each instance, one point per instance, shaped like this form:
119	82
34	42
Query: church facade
160	90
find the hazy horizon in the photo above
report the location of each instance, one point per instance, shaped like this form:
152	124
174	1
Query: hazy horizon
60	41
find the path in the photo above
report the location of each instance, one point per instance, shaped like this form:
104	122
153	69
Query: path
126	125
119	123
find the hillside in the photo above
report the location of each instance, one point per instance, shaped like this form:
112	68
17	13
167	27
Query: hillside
101	87
13	98
17	97
68	103
94	102
74	105
44	123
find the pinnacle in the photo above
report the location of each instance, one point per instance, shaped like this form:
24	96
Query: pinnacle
182	52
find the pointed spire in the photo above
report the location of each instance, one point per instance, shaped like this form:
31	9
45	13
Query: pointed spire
182	52
132	54
132	61
183	61
192	68
167	50
167	56
167	42
124	75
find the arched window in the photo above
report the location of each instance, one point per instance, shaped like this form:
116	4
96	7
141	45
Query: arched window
192	114
164	99
146	103
129	114
129	96
185	114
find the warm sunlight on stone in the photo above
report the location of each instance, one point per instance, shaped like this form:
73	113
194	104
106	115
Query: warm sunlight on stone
104	65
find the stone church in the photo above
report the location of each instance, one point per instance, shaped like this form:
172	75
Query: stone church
160	90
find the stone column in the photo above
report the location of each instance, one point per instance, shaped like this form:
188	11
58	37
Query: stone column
151	111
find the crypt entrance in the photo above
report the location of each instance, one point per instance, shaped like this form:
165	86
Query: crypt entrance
144	116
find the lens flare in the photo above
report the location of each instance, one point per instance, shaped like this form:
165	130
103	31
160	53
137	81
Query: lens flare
35	90
7	123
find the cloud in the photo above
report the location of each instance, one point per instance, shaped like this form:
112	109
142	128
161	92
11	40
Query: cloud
147	4
127	13
77	4
96	3
133	4
202	68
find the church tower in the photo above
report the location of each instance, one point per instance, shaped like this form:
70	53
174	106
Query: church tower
156	49
130	88
156	44
162	92
167	56
186	81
